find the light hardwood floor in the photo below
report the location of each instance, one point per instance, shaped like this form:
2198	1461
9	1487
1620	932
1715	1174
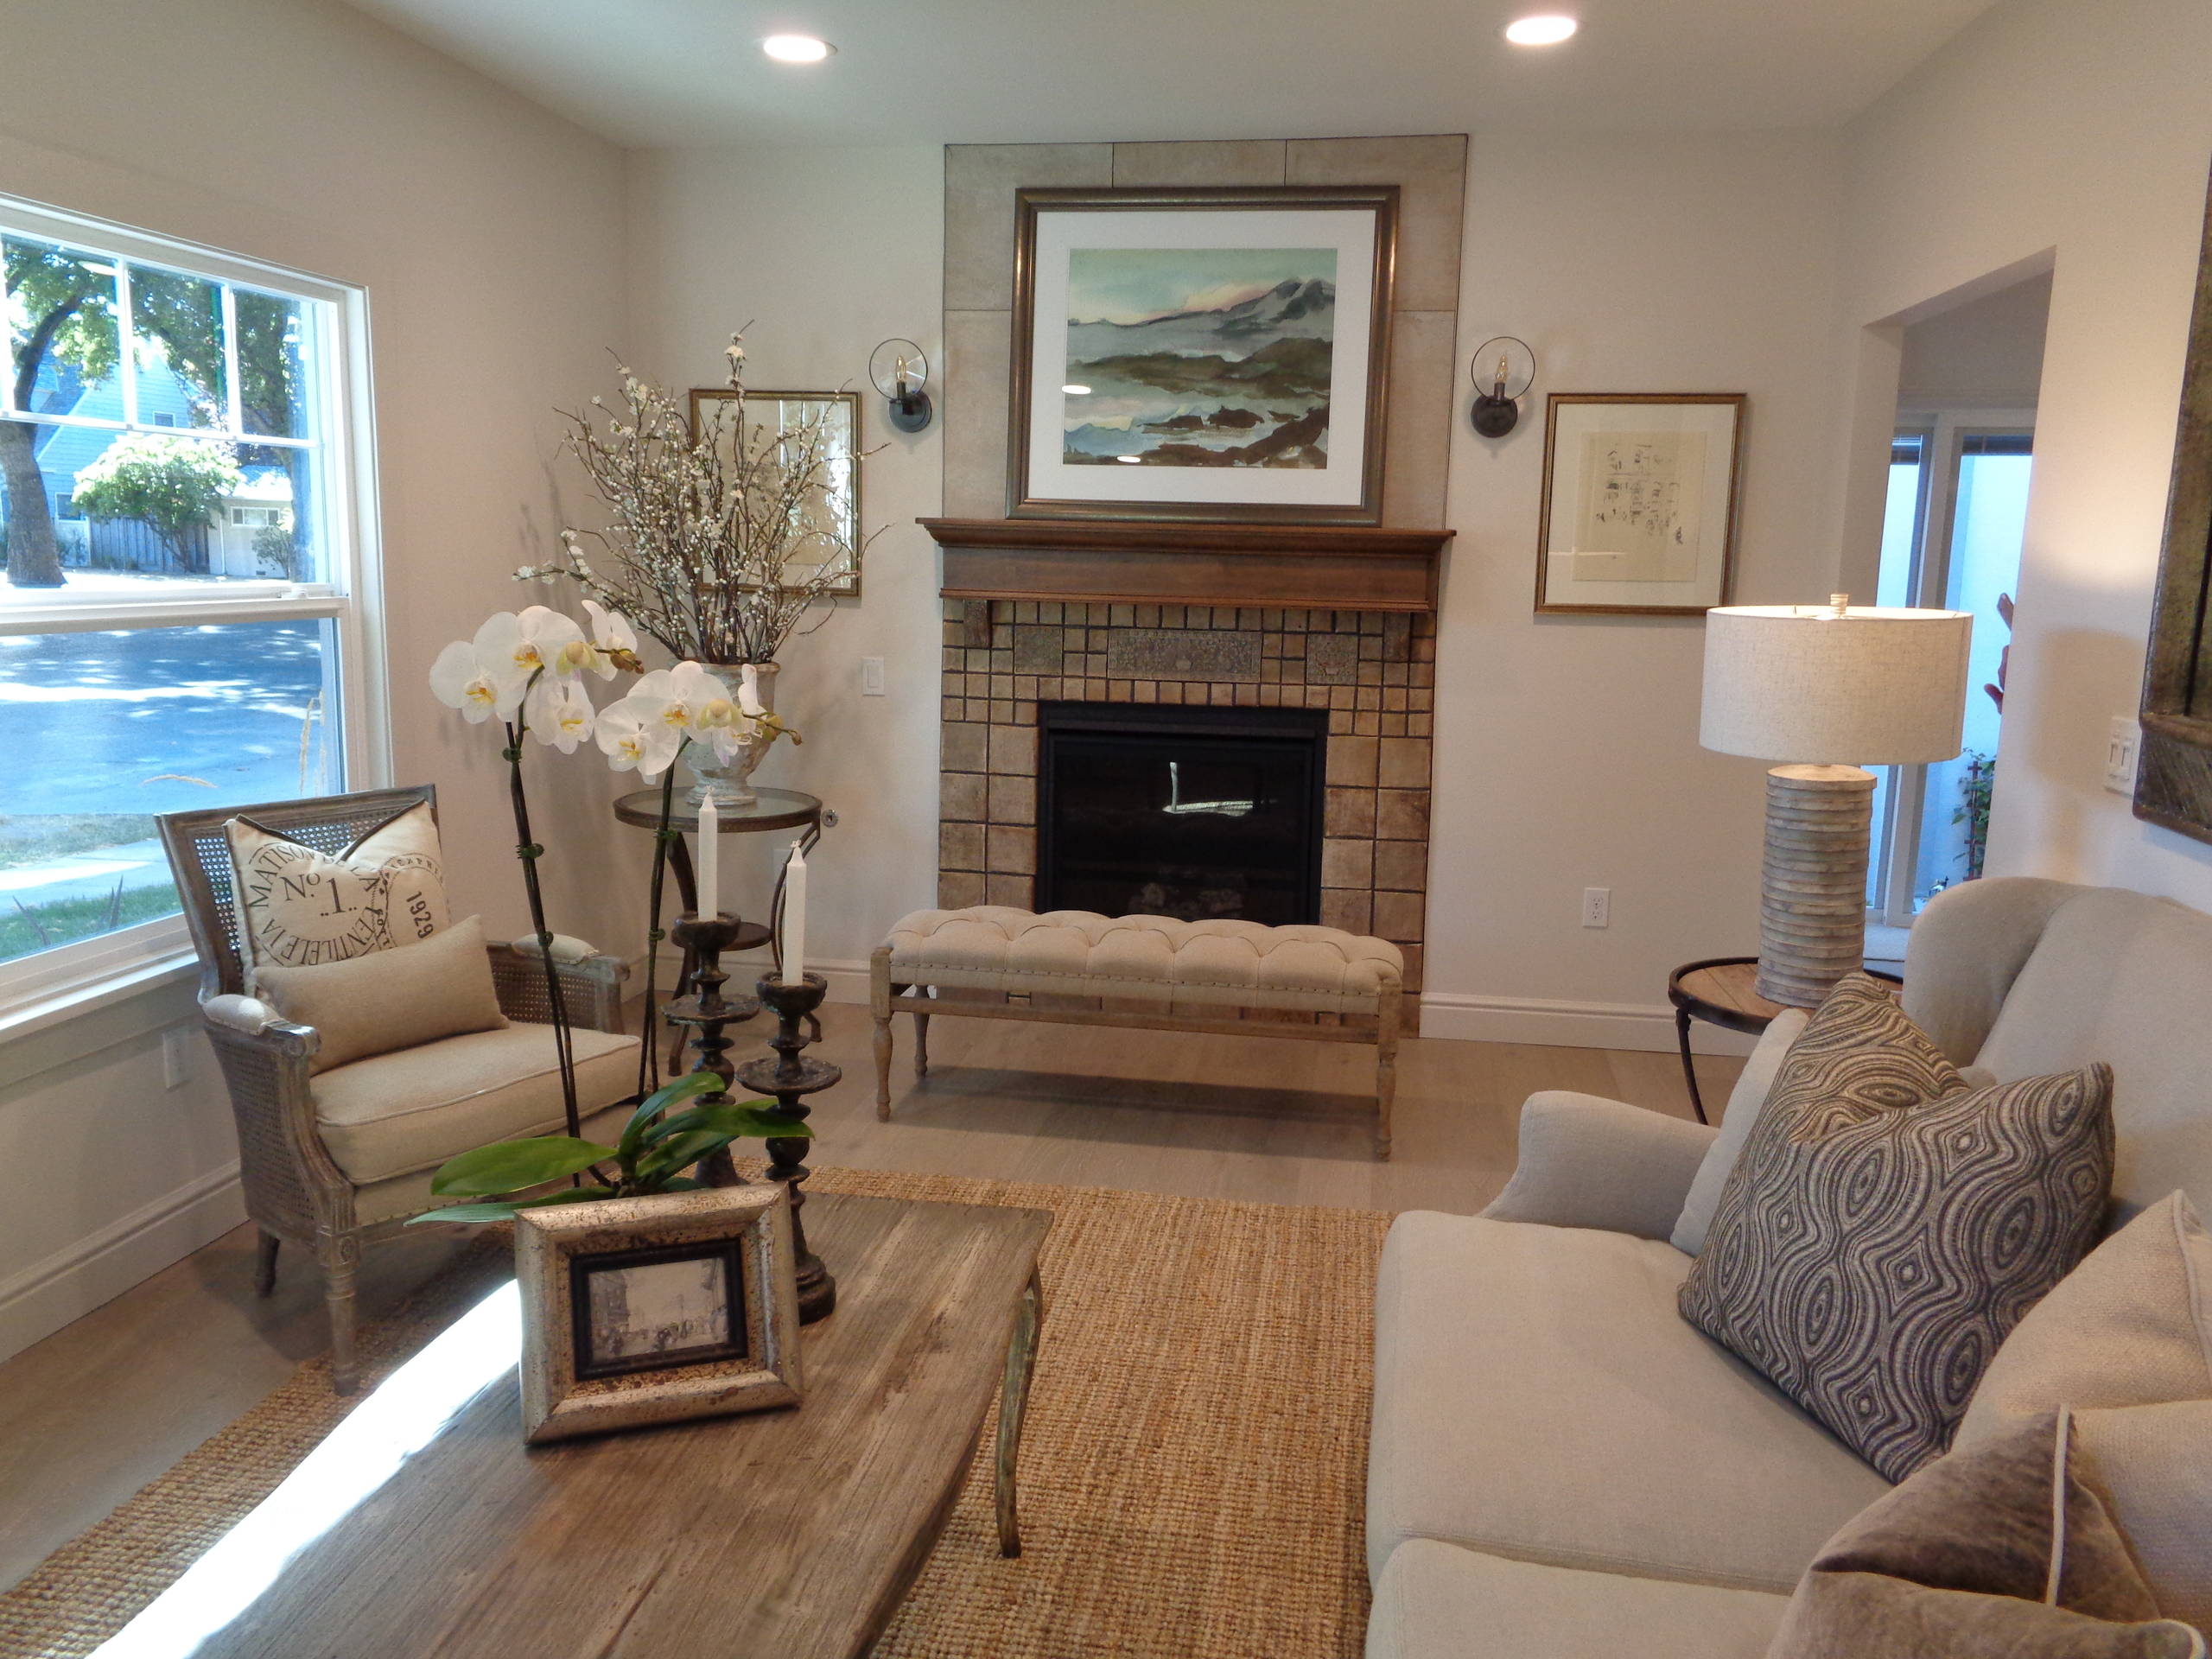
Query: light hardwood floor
94	1412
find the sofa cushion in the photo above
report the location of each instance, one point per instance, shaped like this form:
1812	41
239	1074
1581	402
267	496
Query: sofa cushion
2131	1326
2124	978
1537	1395
1887	1226
1438	1601
1753	1084
415	1109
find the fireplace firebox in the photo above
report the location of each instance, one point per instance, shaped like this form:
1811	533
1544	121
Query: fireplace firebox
1197	813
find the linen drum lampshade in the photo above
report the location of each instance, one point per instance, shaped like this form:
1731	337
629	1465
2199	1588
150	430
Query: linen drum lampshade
1835	689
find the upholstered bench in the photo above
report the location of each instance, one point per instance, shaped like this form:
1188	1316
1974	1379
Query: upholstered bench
1076	967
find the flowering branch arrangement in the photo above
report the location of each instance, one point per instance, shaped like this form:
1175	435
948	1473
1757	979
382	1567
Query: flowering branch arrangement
722	536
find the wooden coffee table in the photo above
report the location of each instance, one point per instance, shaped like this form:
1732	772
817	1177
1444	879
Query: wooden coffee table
792	1533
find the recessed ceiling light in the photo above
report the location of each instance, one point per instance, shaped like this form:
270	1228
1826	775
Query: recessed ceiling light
1544	29
1077	392
796	49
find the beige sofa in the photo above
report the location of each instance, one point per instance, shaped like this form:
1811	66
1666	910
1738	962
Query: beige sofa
1560	1465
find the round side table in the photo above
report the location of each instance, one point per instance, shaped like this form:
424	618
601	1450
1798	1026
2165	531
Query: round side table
1722	991
775	808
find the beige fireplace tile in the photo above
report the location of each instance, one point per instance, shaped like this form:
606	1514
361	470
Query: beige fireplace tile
963	797
1144	691
958	889
965	747
960	846
1025	610
1013	800
1422	392
980	181
1420	700
1342	697
1147	616
1094	689
1371	650
1404	763
978	344
1346	863
1122	616
1024	711
1402	815
1392	725
1398	916
1226	160
1349	908
1367	722
1342	722
1418	725
1401	866
1430	171
1025	688
1250	618
1018	891
1421	674
1368	696
1120	692
1171	690
1397	638
1351	761
1348	812
1424	648
953	709
1394	699
1270	696
1013	849
1014	750
1410	976
1001	686
1050	610
1293	621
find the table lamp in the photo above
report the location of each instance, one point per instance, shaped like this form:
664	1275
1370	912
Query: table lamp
1832	690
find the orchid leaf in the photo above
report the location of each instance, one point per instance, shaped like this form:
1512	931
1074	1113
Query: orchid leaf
698	1083
511	1165
504	1209
735	1118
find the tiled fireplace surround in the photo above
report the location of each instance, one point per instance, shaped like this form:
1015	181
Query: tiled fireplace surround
1374	671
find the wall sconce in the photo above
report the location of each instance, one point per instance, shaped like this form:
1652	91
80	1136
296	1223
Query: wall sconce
899	370
1503	369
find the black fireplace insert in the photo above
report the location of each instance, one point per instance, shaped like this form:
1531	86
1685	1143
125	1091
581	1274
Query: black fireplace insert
1191	813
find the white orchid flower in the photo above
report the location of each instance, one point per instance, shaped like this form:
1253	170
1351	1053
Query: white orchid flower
611	633
559	713
748	692
517	645
459	680
632	740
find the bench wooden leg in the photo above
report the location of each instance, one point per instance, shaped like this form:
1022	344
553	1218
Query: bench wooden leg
921	1043
1387	1011
880	992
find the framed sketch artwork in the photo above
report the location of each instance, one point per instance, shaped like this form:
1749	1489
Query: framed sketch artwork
831	515
1639	502
640	1311
1201	353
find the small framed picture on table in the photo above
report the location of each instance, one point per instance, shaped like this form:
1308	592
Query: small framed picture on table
653	1310
1639	504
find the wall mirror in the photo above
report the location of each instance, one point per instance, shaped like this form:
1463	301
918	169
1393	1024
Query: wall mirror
830	515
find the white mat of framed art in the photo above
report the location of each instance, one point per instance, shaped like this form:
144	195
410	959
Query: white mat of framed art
1639	504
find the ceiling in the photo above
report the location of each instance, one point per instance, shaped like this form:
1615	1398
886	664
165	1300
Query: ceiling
687	72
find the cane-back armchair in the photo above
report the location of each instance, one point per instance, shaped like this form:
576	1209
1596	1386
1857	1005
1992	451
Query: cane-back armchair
394	1117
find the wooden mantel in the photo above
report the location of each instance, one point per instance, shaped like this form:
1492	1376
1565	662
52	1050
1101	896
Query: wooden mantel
1349	567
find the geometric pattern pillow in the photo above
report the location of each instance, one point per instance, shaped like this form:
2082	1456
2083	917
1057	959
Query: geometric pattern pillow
2002	1551
1886	1225
298	907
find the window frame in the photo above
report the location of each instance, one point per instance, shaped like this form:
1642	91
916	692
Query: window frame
46	984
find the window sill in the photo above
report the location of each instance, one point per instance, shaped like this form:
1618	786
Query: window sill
87	997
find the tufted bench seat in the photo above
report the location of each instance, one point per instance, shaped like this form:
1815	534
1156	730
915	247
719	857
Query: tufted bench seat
1079	968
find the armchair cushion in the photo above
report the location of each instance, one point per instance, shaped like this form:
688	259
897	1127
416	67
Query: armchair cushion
387	999
1586	1162
411	1110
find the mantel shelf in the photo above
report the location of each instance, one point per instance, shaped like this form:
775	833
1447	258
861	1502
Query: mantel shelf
1347	567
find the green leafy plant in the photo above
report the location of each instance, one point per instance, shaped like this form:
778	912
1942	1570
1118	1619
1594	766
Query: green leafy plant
1973	811
657	1146
173	485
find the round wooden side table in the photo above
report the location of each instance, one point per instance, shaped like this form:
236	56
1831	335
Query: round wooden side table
1722	991
775	808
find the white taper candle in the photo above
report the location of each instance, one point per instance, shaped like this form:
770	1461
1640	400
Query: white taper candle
710	858
795	918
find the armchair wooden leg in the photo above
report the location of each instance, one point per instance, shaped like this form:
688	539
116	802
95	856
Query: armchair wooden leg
265	1264
341	1255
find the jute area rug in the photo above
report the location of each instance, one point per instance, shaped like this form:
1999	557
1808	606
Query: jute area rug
1192	1464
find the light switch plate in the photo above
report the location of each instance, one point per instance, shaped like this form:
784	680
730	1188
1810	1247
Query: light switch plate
2121	748
871	676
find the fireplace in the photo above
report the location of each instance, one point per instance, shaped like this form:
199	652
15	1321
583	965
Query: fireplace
1199	813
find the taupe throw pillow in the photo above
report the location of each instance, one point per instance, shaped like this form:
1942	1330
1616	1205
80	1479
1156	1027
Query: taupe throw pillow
1887	1226
298	906
400	998
2002	1552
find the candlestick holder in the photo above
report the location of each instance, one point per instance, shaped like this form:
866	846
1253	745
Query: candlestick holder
789	1078
705	938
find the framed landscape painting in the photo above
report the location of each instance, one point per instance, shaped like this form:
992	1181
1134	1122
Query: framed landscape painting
1201	353
1639	505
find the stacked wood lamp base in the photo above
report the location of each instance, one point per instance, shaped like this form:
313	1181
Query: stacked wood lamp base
1880	686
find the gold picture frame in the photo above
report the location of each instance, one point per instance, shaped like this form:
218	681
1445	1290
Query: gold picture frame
775	409
1640	500
1308	452
655	1310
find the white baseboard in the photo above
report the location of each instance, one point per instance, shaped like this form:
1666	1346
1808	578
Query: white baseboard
65	1286
1456	1016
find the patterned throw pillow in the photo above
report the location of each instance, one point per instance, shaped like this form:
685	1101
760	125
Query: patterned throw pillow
298	907
1886	1225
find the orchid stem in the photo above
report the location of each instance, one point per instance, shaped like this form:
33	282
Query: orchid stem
528	851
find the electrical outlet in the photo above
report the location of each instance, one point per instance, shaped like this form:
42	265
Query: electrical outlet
2121	746
1597	907
871	676
175	1059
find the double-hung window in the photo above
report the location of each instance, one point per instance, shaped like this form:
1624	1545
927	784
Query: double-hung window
188	614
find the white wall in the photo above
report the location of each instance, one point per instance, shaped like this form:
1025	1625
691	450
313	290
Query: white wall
488	234
1566	747
1987	354
2081	127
